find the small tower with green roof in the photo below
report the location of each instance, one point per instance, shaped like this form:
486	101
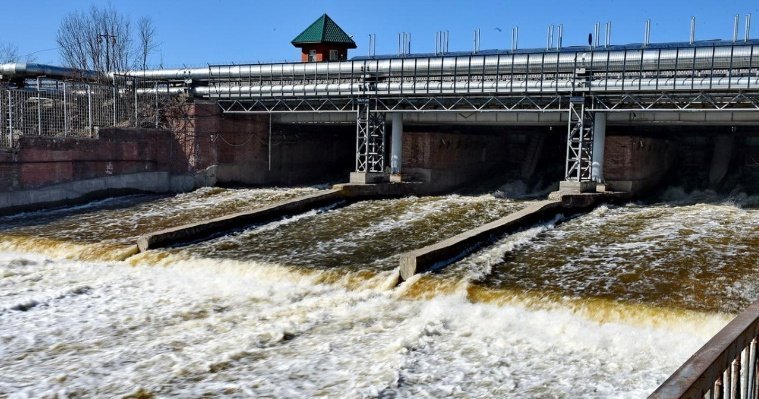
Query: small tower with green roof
323	41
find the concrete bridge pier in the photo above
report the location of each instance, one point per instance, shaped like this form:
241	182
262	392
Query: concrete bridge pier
599	142
396	144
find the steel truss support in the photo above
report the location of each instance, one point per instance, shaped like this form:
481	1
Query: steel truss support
370	136
579	141
609	102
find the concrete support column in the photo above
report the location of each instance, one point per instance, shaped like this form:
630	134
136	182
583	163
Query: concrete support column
599	142
396	144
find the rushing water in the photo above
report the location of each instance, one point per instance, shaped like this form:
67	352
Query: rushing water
602	305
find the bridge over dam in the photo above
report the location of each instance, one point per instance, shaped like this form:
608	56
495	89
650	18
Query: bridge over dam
592	123
701	96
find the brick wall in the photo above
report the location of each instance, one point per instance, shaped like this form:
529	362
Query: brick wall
636	158
40	161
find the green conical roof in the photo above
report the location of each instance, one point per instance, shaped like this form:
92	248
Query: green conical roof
324	30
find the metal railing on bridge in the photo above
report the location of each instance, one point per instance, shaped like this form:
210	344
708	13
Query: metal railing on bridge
47	107
726	367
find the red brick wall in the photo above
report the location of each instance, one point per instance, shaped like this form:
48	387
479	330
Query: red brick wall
322	52
40	161
239	144
449	160
636	158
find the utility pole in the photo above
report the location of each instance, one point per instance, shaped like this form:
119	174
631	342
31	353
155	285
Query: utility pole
108	39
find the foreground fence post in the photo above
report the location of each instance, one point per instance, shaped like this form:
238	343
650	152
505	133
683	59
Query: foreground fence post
65	112
89	108
156	104
39	108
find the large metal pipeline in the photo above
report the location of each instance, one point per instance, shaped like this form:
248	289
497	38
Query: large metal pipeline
499	87
547	62
24	70
541	62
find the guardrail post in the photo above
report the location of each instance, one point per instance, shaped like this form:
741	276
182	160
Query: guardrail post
65	112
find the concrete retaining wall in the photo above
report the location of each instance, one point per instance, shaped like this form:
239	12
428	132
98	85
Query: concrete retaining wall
40	161
85	190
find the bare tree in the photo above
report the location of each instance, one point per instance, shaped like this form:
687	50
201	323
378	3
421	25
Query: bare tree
8	53
146	39
99	40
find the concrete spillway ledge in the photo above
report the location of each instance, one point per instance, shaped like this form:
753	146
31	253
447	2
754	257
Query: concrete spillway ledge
200	230
445	252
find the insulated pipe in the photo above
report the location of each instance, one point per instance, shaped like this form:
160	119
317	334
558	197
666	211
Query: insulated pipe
688	58
502	87
26	70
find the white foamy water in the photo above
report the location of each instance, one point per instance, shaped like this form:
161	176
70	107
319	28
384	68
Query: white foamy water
696	256
599	306
224	328
108	229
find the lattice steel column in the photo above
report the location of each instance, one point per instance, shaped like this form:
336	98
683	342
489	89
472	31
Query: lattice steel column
370	137
579	141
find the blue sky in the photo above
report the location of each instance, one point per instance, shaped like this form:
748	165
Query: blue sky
196	33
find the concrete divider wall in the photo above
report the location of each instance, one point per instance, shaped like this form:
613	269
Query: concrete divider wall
452	249
204	229
345	193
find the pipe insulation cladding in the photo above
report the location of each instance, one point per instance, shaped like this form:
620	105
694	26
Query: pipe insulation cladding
547	62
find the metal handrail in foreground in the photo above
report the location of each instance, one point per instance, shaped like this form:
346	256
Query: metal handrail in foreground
725	367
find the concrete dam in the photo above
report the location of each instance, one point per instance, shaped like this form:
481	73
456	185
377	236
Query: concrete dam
567	222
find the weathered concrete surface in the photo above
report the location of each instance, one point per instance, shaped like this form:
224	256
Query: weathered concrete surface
369	177
265	214
572	187
85	190
448	251
454	248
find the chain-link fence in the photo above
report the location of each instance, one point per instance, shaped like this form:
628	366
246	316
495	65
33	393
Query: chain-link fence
45	107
